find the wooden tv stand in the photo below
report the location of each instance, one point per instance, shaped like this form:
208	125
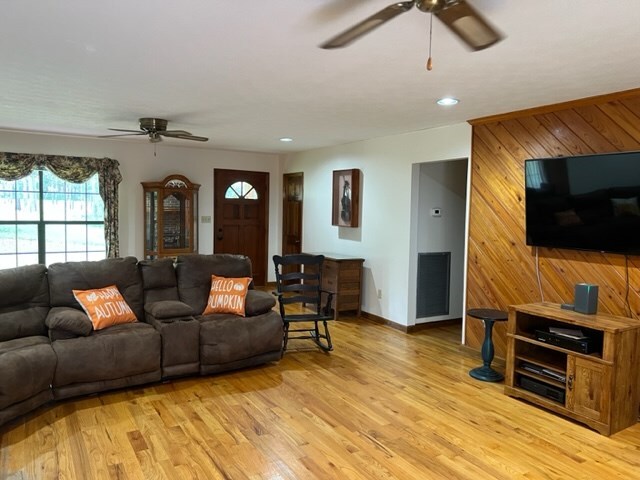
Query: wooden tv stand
601	389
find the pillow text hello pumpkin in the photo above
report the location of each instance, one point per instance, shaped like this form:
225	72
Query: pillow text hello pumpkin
227	295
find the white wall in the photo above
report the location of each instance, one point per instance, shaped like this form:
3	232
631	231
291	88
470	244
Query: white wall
383	238
442	185
138	164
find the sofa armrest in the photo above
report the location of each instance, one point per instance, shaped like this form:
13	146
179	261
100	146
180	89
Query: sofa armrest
168	310
67	322
258	302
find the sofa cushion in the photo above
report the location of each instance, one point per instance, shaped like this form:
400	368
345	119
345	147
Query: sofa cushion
158	280
121	272
227	295
168	309
24	301
226	338
194	275
258	302
105	307
118	352
26	369
70	320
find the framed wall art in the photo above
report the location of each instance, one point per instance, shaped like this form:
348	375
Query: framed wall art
346	198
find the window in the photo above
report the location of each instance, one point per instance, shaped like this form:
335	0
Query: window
44	219
241	190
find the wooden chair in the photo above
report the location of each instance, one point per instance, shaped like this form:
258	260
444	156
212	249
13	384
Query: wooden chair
298	287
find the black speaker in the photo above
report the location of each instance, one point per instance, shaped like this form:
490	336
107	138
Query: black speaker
586	298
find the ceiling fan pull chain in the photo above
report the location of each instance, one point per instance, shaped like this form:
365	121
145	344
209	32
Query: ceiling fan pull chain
429	61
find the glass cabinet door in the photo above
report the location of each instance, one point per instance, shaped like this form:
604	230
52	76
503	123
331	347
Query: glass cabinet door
151	223
171	217
175	234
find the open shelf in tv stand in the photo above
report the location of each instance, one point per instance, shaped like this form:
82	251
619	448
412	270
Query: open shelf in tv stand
602	389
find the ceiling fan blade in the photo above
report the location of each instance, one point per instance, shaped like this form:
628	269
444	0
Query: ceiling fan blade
122	134
173	133
124	130
358	30
182	135
192	137
469	25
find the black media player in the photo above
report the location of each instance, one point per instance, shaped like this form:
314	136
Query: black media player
548	391
582	345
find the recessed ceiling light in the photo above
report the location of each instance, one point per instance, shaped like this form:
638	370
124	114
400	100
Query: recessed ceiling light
286	139
447	101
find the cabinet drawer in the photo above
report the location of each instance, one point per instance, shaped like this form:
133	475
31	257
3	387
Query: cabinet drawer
329	270
350	288
349	302
330	283
350	274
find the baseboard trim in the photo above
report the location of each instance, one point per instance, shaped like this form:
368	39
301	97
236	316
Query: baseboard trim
383	321
409	328
438	323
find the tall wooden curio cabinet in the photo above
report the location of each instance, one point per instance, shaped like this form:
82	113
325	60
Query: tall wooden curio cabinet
170	217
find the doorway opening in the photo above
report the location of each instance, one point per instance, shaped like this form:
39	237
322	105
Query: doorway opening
438	241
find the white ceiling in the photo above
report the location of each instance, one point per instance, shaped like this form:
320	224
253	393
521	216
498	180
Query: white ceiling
246	73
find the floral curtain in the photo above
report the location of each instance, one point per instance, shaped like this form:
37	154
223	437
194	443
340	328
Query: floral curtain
14	166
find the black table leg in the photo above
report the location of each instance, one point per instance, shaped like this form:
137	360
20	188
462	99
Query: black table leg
485	372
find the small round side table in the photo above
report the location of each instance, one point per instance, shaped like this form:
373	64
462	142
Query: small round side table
489	316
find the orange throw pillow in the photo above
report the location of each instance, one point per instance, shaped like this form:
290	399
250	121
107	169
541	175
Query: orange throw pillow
227	295
105	306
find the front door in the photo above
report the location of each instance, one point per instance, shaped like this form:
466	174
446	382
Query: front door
240	207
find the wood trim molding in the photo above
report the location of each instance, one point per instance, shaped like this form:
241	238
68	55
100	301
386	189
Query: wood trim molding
429	325
383	321
608	97
409	328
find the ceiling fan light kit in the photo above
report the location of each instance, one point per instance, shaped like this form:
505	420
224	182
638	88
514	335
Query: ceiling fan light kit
462	19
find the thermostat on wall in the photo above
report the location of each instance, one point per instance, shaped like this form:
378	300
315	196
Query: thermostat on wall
436	212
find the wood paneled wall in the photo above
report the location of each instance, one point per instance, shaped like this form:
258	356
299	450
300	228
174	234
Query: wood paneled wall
502	268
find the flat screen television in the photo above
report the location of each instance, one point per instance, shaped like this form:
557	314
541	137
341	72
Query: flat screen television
586	202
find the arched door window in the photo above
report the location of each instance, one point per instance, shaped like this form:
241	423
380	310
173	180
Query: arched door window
241	190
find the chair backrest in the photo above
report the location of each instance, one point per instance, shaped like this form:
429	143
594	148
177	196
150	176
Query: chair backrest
299	280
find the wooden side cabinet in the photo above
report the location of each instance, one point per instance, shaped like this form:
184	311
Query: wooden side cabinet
342	275
599	388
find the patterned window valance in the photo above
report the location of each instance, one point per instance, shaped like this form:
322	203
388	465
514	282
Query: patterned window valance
14	166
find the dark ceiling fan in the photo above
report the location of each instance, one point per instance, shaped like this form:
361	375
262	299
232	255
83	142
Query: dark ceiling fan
156	128
460	17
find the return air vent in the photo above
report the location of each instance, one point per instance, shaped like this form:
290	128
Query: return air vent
432	297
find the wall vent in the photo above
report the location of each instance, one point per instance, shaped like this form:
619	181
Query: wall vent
432	297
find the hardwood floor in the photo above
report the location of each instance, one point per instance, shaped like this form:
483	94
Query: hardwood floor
382	405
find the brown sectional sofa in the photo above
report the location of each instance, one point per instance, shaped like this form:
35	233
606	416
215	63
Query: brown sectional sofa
49	350
27	361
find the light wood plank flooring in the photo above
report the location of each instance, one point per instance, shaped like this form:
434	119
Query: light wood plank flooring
382	405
